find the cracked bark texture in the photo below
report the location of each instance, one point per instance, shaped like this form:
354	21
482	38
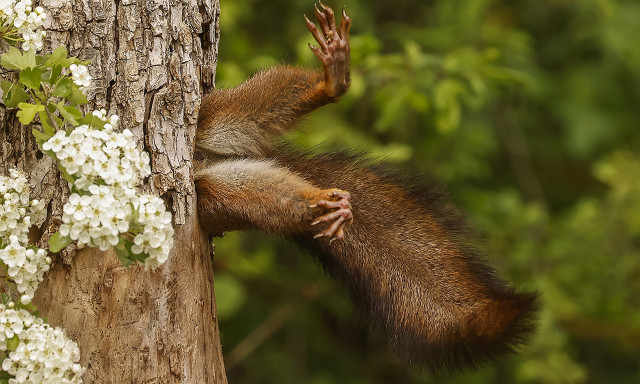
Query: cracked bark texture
151	62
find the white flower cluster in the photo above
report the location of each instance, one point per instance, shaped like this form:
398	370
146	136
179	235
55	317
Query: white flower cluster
17	212
26	265
44	354
107	167
80	76
26	20
96	220
100	155
156	239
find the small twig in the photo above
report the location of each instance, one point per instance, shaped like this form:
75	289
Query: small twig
259	335
520	157
50	115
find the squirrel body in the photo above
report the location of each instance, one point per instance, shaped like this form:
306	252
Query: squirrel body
400	249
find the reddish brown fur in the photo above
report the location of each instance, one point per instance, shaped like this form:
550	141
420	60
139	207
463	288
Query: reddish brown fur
406	258
247	194
241	121
409	267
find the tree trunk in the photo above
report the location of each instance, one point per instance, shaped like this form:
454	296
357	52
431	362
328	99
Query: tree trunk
151	61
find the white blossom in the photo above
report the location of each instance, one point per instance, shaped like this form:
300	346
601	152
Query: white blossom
156	239
44	354
25	20
32	39
107	168
17	212
56	142
80	76
26	266
7	8
96	156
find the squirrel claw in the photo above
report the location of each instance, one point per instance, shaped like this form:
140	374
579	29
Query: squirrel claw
340	214
333	48
339	236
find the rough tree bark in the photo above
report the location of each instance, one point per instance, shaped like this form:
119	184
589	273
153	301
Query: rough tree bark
151	62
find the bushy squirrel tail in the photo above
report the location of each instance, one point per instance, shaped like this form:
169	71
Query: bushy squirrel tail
410	269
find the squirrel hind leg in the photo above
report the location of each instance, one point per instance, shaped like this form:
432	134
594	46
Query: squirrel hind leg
238	194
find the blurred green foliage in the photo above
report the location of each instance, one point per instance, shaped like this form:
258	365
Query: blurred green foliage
528	111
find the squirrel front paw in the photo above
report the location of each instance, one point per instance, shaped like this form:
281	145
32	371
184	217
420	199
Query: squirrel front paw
340	214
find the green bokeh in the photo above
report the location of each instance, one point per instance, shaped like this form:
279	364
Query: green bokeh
528	111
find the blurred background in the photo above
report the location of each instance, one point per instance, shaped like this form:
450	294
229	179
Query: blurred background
529	113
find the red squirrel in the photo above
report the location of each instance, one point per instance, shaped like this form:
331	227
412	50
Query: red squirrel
398	248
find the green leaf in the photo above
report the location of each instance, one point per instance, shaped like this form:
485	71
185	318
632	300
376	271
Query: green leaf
40	59
47	126
65	175
63	88
29	307
40	137
13	343
71	60
30	58
5	86
447	104
15	95
393	106
92	121
139	257
5	376
123	255
53	74
80	192
135	227
77	97
39	95
448	118
135	214
71	114
57	242
28	111
57	57
31	77
14	59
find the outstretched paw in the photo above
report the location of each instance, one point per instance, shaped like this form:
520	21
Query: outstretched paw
340	214
334	51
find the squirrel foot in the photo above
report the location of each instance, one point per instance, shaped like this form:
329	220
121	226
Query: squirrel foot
339	216
334	51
